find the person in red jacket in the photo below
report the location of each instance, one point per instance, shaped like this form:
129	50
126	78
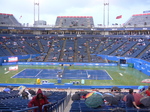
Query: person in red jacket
146	92
38	100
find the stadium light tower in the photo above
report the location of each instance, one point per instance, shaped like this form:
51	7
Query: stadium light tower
36	3
106	4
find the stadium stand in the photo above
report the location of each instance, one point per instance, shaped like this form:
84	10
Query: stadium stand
74	21
10	102
79	105
73	48
138	20
8	19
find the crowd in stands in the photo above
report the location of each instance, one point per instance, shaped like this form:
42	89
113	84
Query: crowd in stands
138	20
74	49
94	100
74	21
8	19
17	99
112	101
129	33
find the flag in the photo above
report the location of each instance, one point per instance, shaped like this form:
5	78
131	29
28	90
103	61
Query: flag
106	3
20	17
118	17
36	3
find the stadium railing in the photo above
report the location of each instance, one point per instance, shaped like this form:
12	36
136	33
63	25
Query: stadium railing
58	106
27	109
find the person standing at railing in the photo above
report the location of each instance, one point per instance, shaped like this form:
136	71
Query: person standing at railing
130	101
39	100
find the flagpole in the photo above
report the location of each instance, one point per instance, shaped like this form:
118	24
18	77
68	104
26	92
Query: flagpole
104	14
34	13
108	13
38	12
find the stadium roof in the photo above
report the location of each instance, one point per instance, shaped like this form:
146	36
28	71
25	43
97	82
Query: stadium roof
141	14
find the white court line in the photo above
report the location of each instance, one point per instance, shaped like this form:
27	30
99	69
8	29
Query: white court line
121	74
108	74
7	72
38	73
18	73
86	73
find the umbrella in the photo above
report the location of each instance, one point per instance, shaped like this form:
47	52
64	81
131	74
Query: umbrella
110	98
119	96
76	97
137	98
21	87
94	100
89	94
98	93
10	87
146	81
145	101
6	90
115	88
83	92
32	92
141	87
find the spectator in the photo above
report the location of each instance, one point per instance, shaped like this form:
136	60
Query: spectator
25	94
146	92
38	100
130	102
141	89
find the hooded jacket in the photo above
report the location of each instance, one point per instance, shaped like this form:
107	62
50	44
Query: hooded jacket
38	102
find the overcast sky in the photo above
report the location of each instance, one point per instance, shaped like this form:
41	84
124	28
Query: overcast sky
50	9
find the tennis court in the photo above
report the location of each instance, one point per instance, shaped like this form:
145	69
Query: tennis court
65	74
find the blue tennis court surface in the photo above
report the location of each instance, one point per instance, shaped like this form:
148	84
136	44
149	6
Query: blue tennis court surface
65	74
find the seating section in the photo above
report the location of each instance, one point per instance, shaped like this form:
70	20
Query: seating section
124	48
4	51
74	49
68	51
138	20
137	49
93	44
55	96
55	50
113	47
104	44
46	43
80	106
146	55
25	46
33	43
74	21
82	55
8	19
10	102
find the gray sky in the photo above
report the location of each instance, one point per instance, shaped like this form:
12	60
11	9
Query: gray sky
50	9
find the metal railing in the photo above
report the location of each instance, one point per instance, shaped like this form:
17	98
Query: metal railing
26	109
58	106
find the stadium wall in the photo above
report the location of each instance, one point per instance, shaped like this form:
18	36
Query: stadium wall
139	64
20	57
75	35
60	63
67	86
76	29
